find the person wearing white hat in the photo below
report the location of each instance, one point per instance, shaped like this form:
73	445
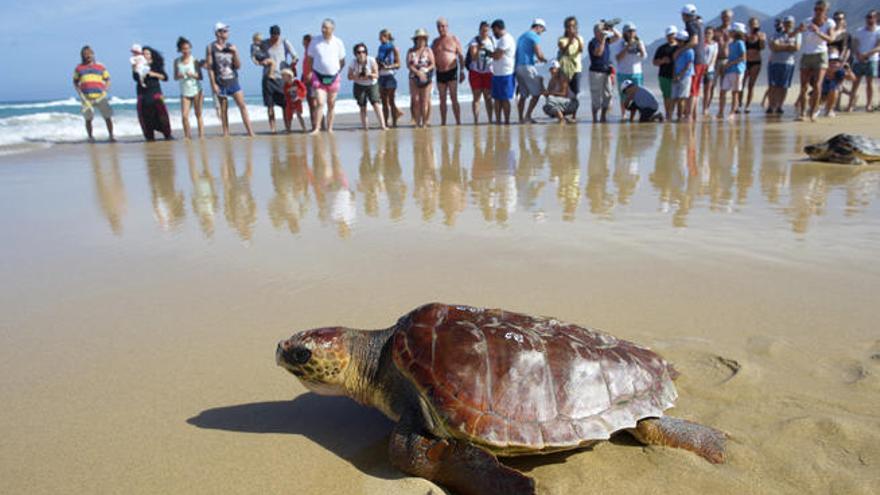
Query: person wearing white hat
693	25
664	58
223	62
734	69
682	76
628	53
530	84
560	103
636	98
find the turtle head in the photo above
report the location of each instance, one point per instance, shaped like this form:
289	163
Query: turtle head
817	152
319	358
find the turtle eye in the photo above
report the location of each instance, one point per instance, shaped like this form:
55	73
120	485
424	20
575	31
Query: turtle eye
301	355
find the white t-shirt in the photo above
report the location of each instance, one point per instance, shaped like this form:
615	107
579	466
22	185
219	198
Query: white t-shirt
867	41
504	65
326	55
811	42
356	68
631	63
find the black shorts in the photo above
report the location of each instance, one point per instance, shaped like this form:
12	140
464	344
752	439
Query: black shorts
273	92
752	63
446	77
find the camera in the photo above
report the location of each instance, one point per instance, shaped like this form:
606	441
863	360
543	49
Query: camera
609	24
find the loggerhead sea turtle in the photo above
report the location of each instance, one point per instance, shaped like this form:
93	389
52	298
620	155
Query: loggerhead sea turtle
845	148
467	384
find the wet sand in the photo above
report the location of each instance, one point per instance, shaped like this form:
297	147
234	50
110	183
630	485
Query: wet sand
146	285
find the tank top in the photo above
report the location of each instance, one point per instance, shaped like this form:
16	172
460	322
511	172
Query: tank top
385	55
189	86
223	67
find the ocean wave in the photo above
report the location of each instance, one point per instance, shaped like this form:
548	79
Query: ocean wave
65	125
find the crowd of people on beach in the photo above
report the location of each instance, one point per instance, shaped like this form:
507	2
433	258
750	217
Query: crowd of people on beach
503	73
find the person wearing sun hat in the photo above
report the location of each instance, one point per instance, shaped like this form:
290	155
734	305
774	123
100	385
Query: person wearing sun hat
664	59
734	70
628	53
420	61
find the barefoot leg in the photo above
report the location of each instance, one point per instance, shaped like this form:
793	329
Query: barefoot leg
707	442
464	468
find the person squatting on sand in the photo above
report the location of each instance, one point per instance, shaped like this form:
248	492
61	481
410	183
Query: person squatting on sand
91	80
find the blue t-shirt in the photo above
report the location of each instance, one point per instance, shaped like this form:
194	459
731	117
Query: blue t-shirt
601	63
685	59
525	48
736	50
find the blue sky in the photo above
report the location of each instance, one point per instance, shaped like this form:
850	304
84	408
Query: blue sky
41	39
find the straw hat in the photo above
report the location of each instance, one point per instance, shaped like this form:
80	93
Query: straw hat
420	33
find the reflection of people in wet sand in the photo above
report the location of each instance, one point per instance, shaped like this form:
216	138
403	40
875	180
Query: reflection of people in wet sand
109	189
290	181
168	201
239	206
453	177
204	190
675	173
601	201
369	179
565	169
812	185
392	174
630	147
494	176
529	180
723	170
334	196
426	189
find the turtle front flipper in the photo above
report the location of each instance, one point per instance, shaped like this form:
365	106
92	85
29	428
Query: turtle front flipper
465	468
705	441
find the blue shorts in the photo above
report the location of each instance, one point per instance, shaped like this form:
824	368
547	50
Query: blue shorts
780	75
503	87
230	90
387	81
865	69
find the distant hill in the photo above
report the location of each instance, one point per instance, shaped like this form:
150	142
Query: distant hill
855	13
741	13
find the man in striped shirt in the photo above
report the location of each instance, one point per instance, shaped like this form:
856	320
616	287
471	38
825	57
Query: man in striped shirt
92	81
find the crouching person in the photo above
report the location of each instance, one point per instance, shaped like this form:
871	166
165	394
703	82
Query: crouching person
638	99
561	103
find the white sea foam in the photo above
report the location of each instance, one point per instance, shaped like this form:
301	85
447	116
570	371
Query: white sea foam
61	122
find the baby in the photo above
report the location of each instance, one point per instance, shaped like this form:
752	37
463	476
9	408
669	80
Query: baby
139	63
259	55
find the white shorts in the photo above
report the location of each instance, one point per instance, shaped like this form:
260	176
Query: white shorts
102	105
732	82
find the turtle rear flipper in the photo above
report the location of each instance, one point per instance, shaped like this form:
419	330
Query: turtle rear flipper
458	465
705	441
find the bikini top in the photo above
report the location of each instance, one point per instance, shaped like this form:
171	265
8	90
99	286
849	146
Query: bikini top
756	45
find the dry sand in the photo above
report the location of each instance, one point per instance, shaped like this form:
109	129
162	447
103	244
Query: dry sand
146	285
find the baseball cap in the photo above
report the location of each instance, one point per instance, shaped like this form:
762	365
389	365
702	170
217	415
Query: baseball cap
137	48
555	64
274	30
738	27
629	26
625	85
220	27
682	36
539	22
789	18
671	30
689	9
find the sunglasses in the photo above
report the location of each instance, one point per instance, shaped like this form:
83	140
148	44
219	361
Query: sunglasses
361	52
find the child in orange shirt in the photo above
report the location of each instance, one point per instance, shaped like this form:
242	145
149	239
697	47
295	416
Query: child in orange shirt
294	94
